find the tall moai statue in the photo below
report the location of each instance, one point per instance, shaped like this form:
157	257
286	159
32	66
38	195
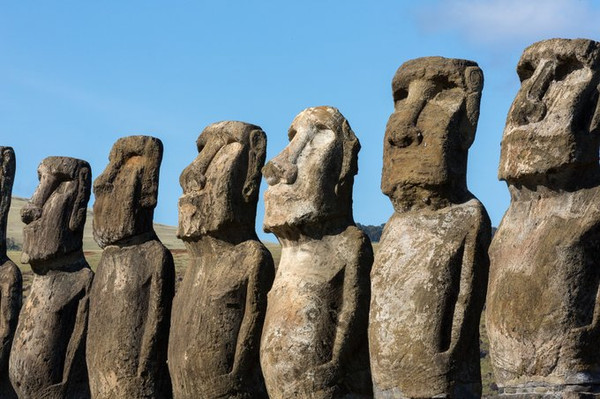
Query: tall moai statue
314	343
130	300
543	304
430	273
48	353
219	309
11	281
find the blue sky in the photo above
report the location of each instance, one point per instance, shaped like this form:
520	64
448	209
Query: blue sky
77	75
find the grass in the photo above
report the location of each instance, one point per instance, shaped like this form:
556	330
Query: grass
168	237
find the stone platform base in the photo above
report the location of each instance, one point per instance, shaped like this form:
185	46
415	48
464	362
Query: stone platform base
549	392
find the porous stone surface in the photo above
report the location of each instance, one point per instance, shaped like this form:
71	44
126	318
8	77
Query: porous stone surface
219	308
314	342
543	303
428	282
48	353
130	301
11	281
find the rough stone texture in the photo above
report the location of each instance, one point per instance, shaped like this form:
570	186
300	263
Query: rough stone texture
130	301
543	307
429	277
314	343
219	309
48	354
11	281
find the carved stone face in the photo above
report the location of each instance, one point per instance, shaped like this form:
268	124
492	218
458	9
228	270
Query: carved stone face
305	179
55	215
7	175
436	108
126	191
552	125
220	187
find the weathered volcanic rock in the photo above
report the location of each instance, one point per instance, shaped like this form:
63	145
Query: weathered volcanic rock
543	305
430	273
11	281
314	343
130	301
48	353
219	309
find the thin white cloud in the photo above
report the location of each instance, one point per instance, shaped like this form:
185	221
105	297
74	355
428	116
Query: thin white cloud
499	22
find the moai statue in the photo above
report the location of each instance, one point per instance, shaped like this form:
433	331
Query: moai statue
130	301
48	353
11	282
430	273
314	343
543	304
219	309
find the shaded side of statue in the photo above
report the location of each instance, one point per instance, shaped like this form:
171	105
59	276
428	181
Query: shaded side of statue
48	353
543	305
430	272
11	281
132	293
314	343
219	309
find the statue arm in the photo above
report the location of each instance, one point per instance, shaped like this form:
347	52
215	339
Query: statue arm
153	347
75	354
472	283
10	305
353	317
258	284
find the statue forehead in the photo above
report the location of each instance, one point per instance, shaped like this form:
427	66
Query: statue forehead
320	117
432	68
127	147
226	132
587	52
67	168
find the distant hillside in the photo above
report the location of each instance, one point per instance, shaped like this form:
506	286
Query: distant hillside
373	232
15	228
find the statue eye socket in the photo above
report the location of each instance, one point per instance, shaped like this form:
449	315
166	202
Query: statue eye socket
291	134
525	70
565	67
400	94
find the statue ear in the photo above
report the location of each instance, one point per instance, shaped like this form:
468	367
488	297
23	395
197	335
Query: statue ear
82	197
256	159
149	187
474	83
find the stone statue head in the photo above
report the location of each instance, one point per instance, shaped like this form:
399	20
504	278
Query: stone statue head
127	190
55	215
436	109
552	127
7	176
220	187
310	181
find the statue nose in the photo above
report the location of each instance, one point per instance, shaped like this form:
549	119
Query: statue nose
277	171
192	180
402	131
532	108
30	213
